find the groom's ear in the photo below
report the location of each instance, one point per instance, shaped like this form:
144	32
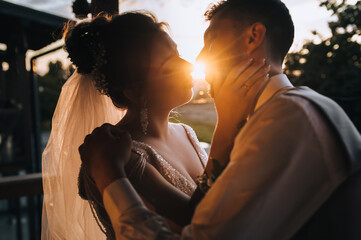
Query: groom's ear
256	36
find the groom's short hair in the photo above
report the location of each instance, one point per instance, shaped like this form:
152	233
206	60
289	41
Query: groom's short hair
272	13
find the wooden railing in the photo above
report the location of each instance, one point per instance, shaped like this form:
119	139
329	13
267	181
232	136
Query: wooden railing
21	185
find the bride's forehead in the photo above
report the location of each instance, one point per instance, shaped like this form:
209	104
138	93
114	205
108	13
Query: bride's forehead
163	48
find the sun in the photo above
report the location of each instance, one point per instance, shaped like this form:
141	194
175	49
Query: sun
198	72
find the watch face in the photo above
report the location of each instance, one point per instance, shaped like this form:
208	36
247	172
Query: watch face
209	182
204	182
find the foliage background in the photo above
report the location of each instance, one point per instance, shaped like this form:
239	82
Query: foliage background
332	66
49	90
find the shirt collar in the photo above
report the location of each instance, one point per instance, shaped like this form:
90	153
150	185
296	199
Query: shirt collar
275	83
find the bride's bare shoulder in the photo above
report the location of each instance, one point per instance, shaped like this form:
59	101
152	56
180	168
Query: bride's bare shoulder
178	127
181	127
183	130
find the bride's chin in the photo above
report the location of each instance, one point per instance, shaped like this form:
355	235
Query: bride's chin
190	95
187	97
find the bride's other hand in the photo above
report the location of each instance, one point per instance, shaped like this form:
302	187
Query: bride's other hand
235	100
104	153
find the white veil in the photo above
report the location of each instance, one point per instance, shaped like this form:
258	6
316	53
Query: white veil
79	110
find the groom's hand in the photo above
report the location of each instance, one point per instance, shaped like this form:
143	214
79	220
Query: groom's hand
104	153
235	100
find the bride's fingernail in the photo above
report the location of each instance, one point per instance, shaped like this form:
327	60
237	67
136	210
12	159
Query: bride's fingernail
250	60
267	68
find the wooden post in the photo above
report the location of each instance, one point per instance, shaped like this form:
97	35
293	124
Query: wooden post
19	94
106	6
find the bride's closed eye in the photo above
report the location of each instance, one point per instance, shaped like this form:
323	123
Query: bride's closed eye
170	65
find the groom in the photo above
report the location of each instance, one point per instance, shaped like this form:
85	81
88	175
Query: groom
293	171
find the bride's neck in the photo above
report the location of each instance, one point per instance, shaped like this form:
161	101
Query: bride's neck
157	124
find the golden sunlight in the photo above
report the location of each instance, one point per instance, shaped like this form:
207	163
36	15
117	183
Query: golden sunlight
198	72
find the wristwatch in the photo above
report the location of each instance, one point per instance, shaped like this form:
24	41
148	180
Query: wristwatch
205	182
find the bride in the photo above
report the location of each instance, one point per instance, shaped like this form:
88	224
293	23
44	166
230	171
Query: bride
135	65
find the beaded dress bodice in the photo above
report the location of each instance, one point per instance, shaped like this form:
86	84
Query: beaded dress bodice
148	154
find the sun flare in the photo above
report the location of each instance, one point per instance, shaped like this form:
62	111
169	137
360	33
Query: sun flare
198	72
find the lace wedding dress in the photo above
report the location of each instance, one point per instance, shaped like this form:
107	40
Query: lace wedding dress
148	154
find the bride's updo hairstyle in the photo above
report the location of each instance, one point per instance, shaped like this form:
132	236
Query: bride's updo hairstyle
115	51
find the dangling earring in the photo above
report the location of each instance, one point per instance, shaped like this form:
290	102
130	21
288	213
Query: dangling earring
144	120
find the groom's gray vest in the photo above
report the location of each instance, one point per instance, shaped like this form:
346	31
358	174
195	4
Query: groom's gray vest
340	216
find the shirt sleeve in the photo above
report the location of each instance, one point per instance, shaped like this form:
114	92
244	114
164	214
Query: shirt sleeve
129	216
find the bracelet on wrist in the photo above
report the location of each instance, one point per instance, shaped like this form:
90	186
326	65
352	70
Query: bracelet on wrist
204	181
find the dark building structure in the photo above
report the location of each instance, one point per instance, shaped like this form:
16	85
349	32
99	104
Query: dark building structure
21	29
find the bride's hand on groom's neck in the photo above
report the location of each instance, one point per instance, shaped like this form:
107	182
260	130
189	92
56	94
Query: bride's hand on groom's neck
104	153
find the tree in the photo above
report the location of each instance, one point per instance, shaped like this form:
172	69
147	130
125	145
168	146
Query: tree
81	8
333	66
108	6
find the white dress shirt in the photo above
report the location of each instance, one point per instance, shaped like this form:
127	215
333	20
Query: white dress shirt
284	164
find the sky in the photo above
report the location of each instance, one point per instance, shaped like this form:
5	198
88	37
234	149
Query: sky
187	23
